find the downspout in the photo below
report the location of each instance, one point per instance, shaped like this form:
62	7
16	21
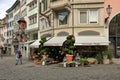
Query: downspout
72	17
53	24
38	2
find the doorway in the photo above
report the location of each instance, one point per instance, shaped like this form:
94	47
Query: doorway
114	35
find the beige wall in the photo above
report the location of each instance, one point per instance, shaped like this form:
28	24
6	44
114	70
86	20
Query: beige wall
78	4
32	12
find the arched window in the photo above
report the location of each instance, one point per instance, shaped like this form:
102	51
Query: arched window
46	35
88	33
63	34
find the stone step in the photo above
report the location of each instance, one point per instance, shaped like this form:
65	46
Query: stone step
116	60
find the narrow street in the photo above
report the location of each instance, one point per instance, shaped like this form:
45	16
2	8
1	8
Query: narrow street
29	71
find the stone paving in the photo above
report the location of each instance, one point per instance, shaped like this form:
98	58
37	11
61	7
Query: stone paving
29	71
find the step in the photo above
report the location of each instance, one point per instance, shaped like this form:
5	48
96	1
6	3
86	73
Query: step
116	60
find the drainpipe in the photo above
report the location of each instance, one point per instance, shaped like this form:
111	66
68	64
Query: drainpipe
53	24
72	17
38	2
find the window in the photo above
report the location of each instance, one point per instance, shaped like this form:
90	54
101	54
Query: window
43	23
10	15
33	19
93	16
89	16
32	4
63	34
45	5
35	36
63	16
88	33
40	8
17	16
83	17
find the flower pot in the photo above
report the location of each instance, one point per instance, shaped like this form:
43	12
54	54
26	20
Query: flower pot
38	62
44	57
106	61
69	57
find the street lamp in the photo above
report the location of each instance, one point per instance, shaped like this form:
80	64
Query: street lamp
109	9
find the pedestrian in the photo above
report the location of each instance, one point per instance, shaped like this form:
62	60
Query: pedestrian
1	54
16	53
18	56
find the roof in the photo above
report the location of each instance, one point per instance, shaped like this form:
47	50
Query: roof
13	6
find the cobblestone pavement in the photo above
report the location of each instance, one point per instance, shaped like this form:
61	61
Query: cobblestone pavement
29	71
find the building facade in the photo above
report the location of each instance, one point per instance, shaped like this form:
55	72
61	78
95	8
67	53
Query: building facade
17	24
84	19
10	30
3	34
22	23
113	25
32	29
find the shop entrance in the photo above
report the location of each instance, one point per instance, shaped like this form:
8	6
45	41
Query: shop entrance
114	35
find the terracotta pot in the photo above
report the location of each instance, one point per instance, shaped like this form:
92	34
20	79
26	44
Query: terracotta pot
106	61
69	57
38	62
44	57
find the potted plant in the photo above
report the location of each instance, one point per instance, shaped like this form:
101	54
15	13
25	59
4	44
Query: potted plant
84	61
69	47
43	50
107	56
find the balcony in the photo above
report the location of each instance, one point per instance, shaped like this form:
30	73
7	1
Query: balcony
59	4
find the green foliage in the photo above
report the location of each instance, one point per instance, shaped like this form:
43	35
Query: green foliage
84	61
108	53
69	45
43	49
99	58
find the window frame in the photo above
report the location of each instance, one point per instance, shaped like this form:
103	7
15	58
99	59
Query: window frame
66	19
88	16
95	16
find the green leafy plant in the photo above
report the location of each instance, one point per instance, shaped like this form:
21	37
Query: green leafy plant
43	49
68	45
84	61
99	58
107	53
